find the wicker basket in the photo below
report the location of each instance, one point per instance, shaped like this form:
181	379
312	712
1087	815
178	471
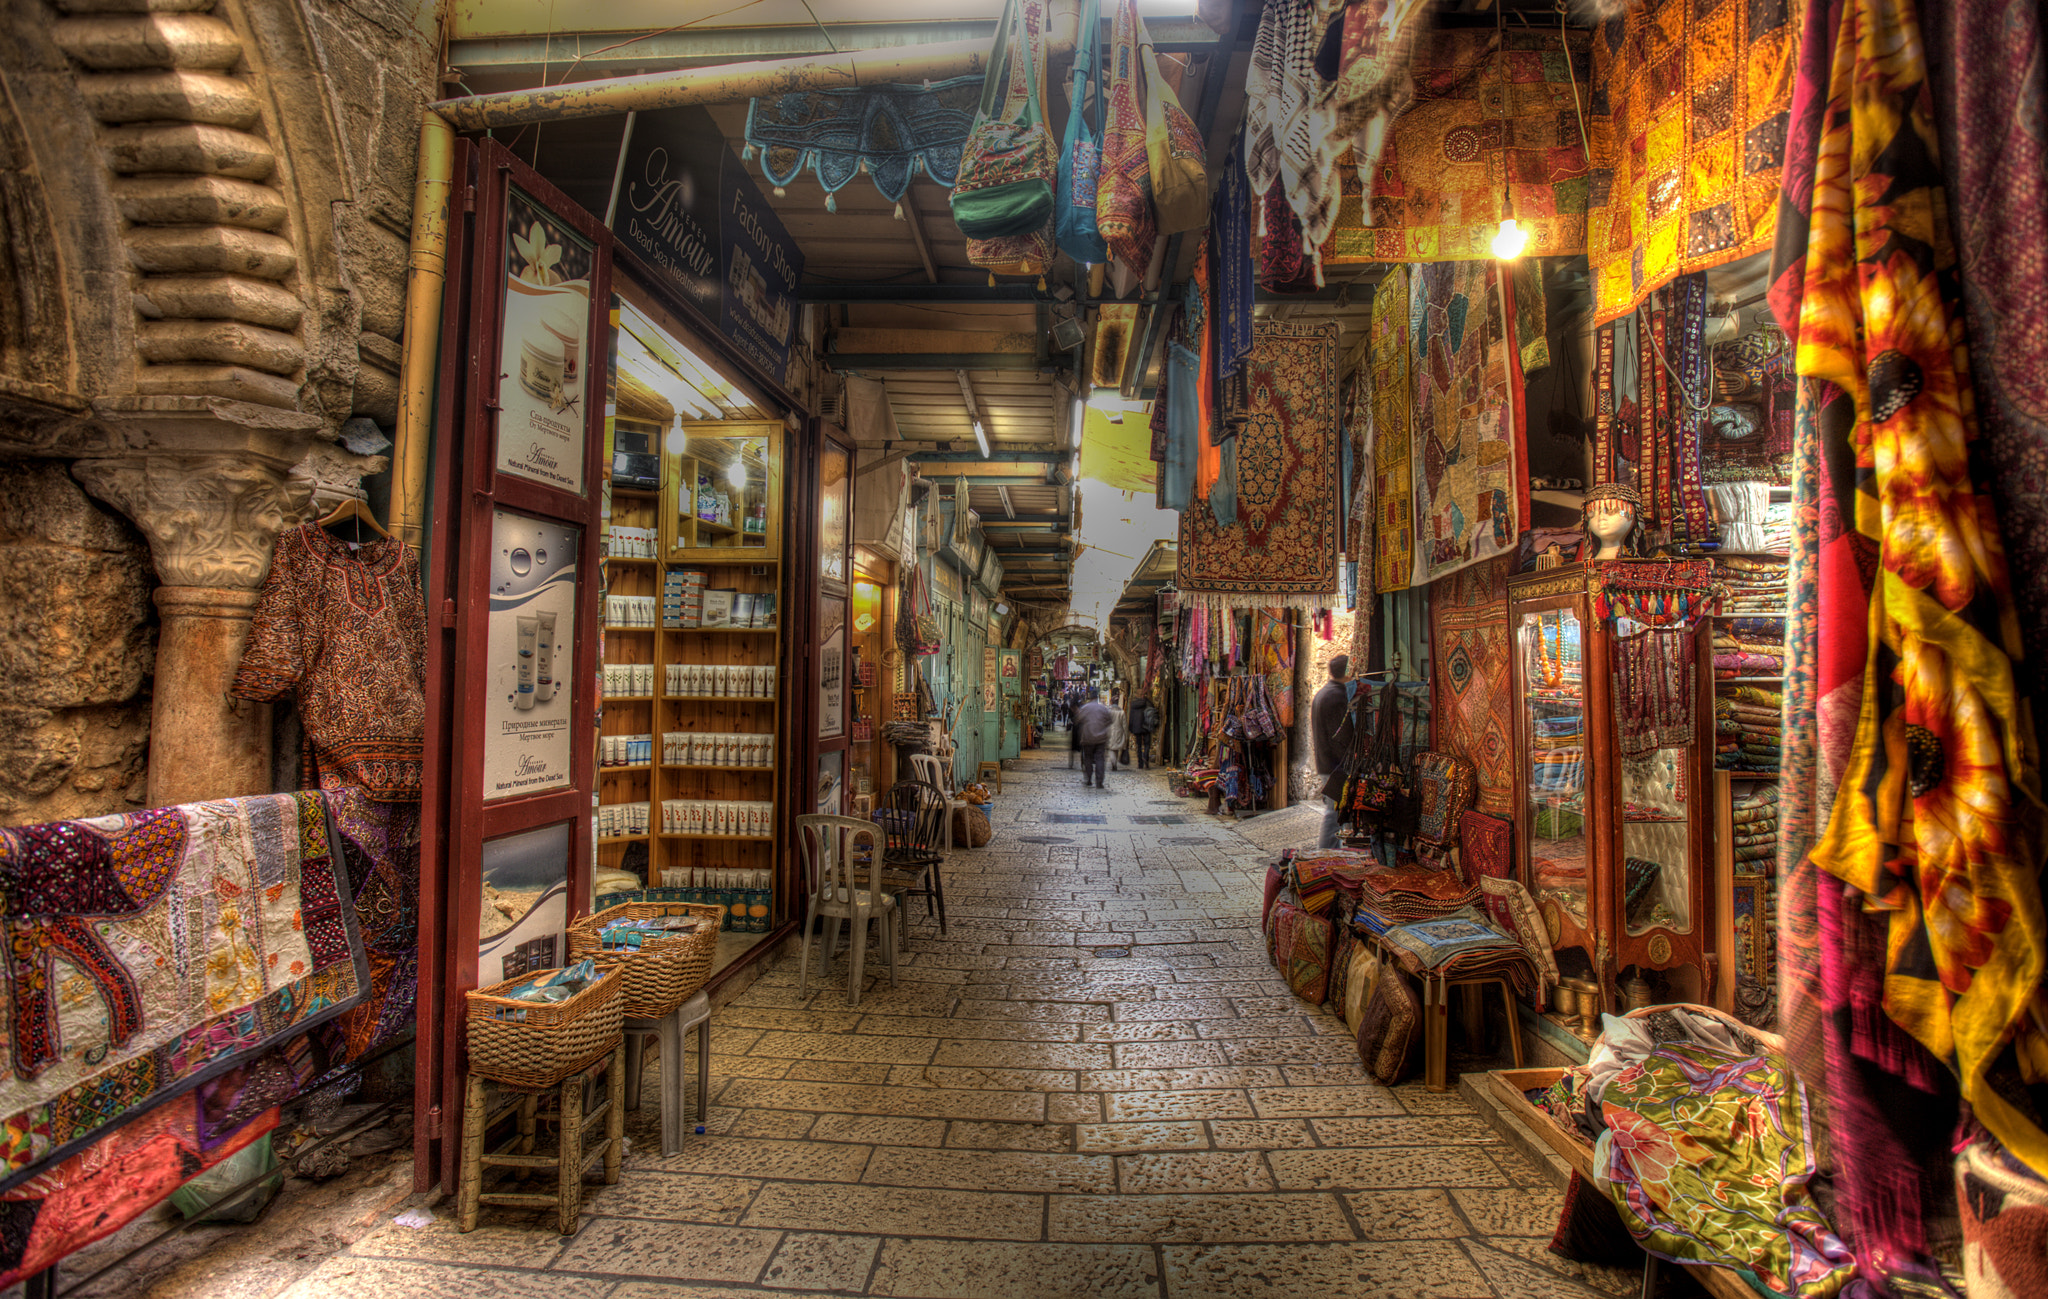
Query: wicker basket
553	1041
665	972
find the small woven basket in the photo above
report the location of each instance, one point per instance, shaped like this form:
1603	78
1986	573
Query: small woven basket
663	973
552	1040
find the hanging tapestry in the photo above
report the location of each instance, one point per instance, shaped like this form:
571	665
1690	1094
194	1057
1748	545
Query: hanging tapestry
1987	59
887	131
1230	247
1374	82
1710	1158
1531	314
1937	820
1654	686
1480	124
114	1181
1473	706
149	952
1689	105
1689	518
1282	549
1469	486
1393	401
381	845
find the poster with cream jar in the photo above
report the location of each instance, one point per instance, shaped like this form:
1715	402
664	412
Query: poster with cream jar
543	348
529	738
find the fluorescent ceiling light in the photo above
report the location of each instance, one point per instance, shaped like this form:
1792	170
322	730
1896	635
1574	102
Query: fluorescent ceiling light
981	439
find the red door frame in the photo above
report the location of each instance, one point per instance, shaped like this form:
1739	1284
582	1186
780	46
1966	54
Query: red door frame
456	821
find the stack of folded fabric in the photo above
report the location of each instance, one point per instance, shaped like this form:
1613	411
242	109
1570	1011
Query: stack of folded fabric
1755	584
1748	729
1560	759
1461	945
1755	819
1320	876
1739	654
1399	896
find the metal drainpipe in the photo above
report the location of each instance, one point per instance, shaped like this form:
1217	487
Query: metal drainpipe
426	280
736	81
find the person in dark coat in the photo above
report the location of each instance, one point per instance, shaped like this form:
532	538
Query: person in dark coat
1093	722
1144	721
1330	728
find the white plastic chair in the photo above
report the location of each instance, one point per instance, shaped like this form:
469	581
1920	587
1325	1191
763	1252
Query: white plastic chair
927	768
832	869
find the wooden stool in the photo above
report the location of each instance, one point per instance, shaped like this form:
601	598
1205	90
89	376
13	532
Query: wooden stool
570	1157
1436	997
981	773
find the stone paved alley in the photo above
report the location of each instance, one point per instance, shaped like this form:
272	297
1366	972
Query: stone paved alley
1095	1085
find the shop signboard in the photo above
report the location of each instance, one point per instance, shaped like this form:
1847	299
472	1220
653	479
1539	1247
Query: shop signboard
544	349
528	719
689	209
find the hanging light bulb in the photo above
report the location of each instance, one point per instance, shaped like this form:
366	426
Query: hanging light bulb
677	441
1509	240
736	473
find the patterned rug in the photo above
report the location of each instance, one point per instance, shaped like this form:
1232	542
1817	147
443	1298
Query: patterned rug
152	952
1469	486
1479	123
1689	111
1392	403
891	131
1282	549
1473	692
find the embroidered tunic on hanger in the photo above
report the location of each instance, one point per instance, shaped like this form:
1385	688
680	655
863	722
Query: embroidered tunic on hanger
347	631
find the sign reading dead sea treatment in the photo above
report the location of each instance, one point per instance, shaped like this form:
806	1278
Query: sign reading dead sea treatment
544	349
528	738
689	209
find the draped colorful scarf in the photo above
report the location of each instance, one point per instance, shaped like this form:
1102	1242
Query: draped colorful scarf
1937	822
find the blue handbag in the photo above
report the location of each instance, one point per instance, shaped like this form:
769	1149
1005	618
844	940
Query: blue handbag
1081	154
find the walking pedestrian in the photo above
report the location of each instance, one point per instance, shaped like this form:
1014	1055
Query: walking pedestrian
1119	735
1144	721
1330	728
1093	722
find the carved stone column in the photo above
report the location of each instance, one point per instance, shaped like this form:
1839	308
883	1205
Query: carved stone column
211	518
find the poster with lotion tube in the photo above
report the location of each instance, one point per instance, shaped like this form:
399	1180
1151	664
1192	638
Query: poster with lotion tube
529	738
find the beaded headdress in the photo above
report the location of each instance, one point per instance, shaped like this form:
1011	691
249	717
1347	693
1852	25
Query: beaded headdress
1614	492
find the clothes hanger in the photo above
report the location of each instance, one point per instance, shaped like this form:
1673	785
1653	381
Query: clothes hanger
353	509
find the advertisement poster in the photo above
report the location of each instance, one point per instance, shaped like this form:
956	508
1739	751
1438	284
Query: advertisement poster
835	476
544	351
528	734
832	783
690	210
832	670
525	905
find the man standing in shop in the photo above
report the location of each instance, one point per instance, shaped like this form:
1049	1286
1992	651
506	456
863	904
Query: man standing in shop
1330	726
1093	722
1144	721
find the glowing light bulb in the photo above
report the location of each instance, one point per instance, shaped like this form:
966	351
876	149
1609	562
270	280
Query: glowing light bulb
677	440
736	474
1509	240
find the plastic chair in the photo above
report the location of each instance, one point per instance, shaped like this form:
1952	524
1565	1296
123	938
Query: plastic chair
669	1032
912	816
832	870
927	768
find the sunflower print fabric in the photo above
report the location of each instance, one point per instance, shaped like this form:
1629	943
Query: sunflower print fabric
1938	818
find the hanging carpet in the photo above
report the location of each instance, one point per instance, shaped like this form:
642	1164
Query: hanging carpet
1471	494
1479	123
151	952
1689	112
891	130
1282	548
1472	708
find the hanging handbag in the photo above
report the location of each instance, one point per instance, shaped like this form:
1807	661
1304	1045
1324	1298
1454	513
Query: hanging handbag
1081	153
1174	151
929	637
1009	169
1123	194
1030	253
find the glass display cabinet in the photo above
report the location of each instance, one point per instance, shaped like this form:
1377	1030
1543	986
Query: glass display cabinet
1612	847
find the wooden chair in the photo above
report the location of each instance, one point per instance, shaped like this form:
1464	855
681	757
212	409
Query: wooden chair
986	769
1436	1004
571	1151
832	870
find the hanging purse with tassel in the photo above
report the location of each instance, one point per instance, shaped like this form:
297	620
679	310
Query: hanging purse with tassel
1009	171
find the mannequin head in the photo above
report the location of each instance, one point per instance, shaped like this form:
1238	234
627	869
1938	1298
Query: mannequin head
1610	522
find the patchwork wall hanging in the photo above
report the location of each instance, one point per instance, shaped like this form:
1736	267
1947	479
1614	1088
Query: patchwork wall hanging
1689	110
1470	492
152	952
1282	548
1481	122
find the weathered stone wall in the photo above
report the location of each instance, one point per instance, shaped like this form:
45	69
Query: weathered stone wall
77	641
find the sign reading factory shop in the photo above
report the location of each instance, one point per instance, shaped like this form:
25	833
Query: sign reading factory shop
689	209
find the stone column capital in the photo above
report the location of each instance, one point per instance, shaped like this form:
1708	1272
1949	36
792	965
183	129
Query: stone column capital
211	517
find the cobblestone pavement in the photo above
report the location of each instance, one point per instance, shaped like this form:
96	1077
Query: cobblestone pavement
1094	1085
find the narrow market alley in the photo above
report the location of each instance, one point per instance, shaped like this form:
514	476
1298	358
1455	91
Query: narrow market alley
1095	1085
